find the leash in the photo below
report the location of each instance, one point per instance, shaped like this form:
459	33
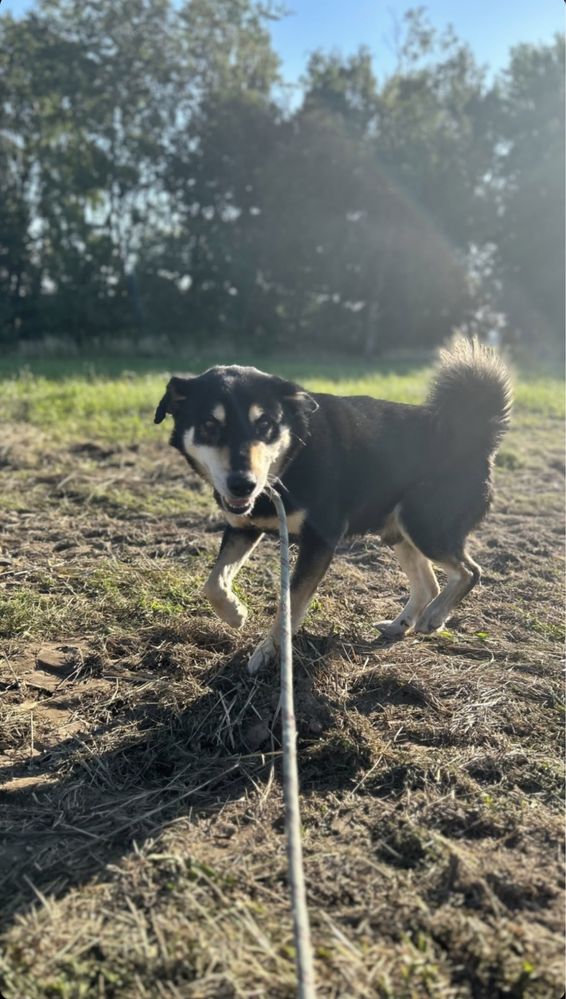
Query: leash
301	928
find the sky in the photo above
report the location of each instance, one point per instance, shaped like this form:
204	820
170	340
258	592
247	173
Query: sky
491	27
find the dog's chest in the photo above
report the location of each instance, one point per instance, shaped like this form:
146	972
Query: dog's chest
295	521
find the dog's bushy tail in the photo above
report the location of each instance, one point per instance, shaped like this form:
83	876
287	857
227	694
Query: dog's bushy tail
470	398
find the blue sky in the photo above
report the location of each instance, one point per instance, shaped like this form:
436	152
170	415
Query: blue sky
490	26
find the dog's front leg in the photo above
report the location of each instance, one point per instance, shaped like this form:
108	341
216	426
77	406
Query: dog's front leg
237	545
315	555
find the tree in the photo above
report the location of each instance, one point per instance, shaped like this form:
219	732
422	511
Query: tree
344	88
150	182
91	101
357	262
215	162
20	272
433	132
529	192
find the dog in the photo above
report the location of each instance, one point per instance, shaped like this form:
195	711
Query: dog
418	475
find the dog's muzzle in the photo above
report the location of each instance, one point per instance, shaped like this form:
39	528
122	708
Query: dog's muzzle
241	486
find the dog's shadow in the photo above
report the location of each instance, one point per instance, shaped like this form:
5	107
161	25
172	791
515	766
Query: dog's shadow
69	813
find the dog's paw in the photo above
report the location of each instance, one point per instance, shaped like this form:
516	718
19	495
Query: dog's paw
394	629
229	609
263	654
429	622
235	614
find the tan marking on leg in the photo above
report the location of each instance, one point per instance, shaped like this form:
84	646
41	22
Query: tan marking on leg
263	654
390	533
423	588
300	599
462	575
218	587
301	595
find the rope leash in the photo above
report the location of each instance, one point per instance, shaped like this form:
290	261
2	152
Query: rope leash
301	928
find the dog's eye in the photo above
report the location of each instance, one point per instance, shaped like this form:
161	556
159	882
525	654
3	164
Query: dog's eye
210	430
265	428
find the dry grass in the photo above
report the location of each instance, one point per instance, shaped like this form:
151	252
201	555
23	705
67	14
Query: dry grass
141	804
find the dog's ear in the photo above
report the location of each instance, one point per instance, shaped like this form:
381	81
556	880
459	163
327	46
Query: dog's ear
177	390
305	401
297	397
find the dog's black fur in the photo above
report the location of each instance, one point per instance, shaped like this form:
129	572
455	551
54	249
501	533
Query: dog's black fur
419	475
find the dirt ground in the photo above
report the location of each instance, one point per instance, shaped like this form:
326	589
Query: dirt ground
141	808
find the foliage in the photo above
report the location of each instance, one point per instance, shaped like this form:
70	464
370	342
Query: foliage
153	186
530	170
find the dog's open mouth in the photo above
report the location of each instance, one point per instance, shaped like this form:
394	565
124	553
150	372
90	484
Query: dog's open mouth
240	506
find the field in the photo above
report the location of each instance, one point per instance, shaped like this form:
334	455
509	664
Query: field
141	809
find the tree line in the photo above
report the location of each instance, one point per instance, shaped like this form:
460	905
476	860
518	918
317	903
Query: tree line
157	180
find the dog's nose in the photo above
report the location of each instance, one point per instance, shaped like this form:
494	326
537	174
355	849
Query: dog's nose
241	483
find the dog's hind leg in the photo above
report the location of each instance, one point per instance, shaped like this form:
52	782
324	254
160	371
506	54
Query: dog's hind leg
313	560
463	574
423	589
237	546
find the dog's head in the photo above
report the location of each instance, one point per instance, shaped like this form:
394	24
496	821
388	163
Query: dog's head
238	427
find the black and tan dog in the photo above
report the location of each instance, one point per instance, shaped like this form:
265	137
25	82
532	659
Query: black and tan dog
418	475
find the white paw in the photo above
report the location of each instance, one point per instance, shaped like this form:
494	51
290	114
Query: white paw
262	655
233	612
394	629
429	622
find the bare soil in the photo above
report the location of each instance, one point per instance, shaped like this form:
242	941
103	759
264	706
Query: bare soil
141	810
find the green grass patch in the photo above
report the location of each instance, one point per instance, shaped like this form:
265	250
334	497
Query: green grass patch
110	596
118	405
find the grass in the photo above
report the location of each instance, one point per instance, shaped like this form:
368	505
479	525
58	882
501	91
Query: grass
140	805
108	403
